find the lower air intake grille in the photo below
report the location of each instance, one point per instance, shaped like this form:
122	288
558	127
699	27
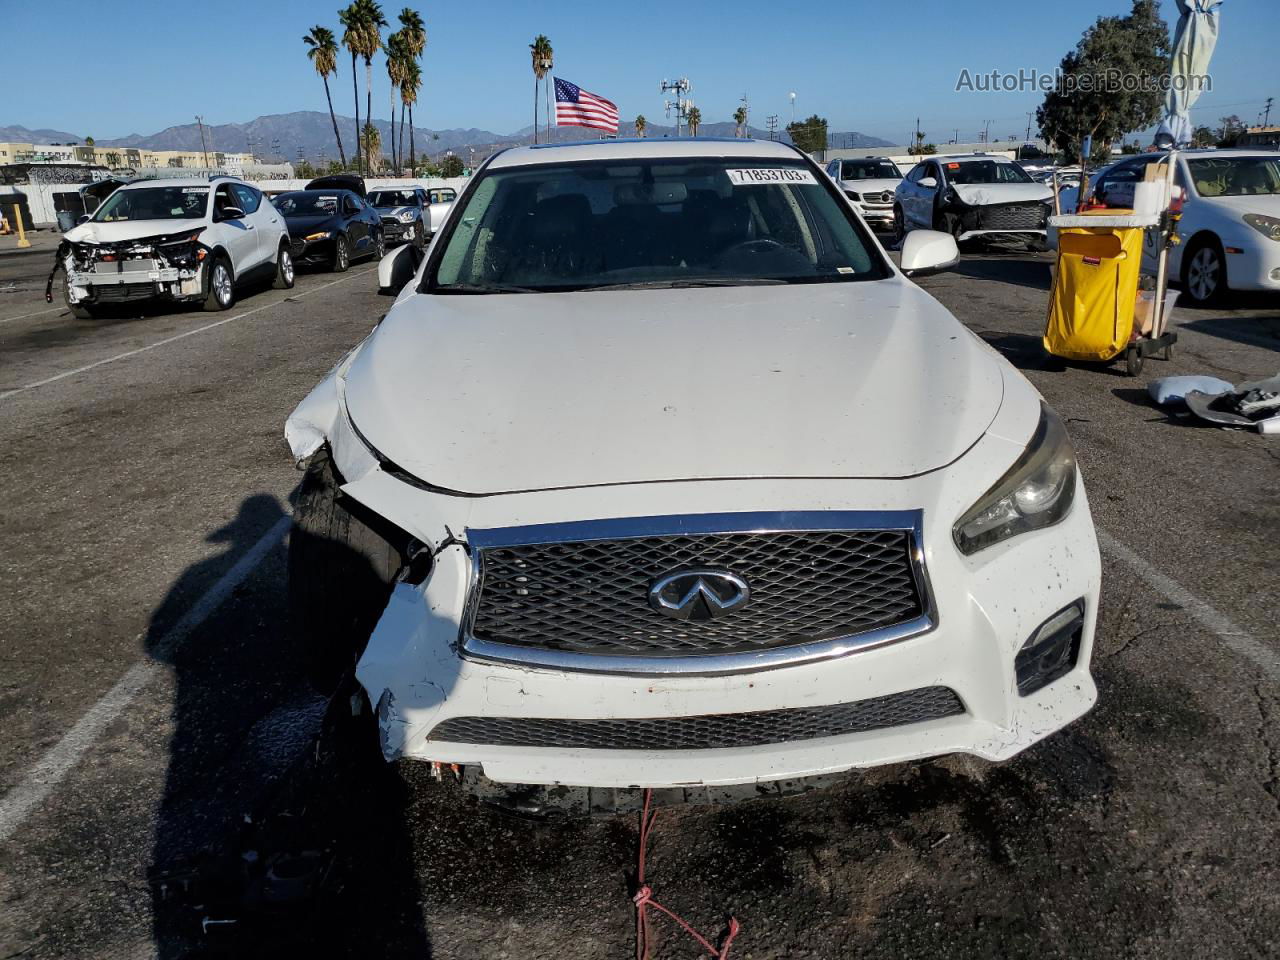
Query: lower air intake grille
707	732
1014	216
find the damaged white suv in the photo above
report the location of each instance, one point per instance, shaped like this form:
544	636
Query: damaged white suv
659	472
172	240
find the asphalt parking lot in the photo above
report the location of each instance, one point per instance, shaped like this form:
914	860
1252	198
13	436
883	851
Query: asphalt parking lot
150	700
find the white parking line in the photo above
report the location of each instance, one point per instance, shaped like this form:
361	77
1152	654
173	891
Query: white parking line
25	316
160	343
53	767
1221	626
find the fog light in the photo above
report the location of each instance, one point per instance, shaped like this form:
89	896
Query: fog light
1052	651
1275	274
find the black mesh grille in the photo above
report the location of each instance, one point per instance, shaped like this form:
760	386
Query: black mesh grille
592	597
1014	216
707	732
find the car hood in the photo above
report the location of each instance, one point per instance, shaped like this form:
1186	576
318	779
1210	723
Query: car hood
301	226
117	231
870	186
983	194
500	393
394	211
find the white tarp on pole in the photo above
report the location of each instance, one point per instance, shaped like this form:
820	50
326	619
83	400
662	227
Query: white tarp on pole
1193	43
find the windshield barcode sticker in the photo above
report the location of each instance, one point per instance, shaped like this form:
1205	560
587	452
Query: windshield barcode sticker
763	176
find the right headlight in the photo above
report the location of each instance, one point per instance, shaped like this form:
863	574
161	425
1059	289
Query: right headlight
1036	492
1269	227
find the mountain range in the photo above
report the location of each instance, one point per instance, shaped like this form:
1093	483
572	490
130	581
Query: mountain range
309	133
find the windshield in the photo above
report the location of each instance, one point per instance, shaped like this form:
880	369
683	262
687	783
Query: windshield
393	198
652	223
307	203
986	171
154	203
870	170
1236	176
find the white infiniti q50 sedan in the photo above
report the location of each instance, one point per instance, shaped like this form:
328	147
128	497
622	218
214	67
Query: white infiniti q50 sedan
659	472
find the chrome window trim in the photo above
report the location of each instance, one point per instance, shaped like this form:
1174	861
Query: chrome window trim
908	521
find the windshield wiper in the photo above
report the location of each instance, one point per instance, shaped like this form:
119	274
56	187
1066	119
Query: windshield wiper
484	288
679	283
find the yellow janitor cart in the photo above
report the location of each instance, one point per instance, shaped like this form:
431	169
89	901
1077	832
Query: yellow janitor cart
1098	290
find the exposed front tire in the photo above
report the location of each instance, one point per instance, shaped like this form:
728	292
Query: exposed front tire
379	246
341	254
284	269
342	562
419	235
221	293
80	311
1204	272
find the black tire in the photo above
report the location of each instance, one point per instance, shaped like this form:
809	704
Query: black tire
899	224
1204	272
221	289
1133	361
947	223
341	254
342	563
419	235
78	310
379	246
284	269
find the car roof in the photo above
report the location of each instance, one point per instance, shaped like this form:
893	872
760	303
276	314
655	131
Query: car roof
970	157
175	182
644	149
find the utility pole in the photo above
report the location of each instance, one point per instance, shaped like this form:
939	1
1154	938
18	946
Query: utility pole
204	148
1267	118
771	122
1028	136
793	107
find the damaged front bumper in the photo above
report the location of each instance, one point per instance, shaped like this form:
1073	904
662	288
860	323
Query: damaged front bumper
163	267
1023	218
433	690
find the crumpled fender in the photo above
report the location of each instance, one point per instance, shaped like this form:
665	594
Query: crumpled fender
321	418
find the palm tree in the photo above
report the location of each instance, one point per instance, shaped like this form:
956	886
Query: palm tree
408	97
540	54
740	118
641	123
372	146
693	118
397	57
352	38
370	43
414	32
323	52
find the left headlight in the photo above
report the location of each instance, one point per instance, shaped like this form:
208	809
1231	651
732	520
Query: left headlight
1036	492
407	216
1269	227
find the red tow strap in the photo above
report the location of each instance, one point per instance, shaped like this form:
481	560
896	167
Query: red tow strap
644	898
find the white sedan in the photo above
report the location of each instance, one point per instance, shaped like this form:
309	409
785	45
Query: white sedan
660	472
1230	227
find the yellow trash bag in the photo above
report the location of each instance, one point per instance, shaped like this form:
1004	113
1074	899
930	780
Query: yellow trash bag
1095	287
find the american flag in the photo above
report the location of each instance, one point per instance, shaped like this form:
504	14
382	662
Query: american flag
577	108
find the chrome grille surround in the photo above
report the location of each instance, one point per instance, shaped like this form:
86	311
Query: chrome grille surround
877	545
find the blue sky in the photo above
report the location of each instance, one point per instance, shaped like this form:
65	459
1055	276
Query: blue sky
871	67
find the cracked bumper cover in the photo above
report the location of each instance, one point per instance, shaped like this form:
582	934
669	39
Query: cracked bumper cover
987	606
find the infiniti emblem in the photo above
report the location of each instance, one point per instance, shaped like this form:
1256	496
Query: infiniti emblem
698	594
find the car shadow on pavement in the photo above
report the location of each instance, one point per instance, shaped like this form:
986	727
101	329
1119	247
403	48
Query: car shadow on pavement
280	830
1261	332
1019	271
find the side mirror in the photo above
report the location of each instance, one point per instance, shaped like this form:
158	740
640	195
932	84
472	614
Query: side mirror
83	218
230	213
397	268
928	251
929	182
